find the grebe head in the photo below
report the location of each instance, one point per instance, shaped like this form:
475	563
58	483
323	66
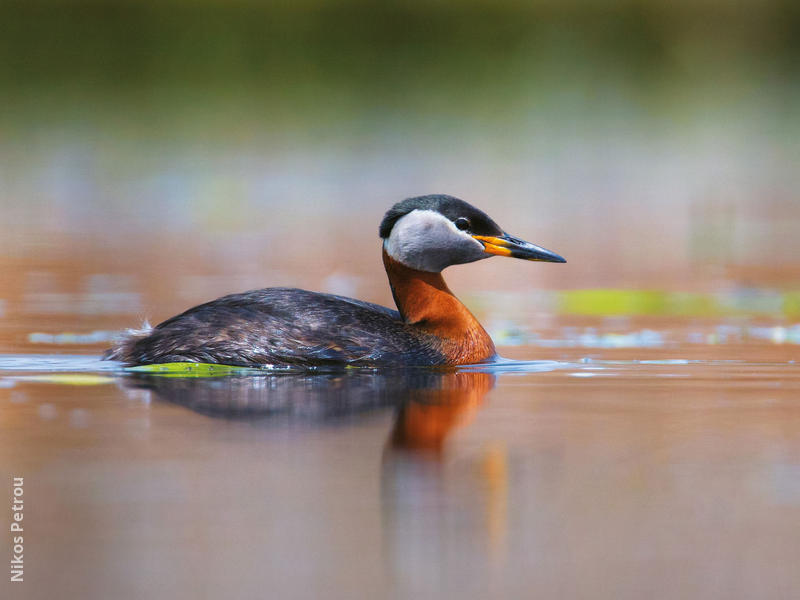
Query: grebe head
429	233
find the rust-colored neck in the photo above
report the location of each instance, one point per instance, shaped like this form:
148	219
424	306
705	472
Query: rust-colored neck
425	302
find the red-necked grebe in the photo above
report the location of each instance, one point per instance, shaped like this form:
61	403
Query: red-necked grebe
286	326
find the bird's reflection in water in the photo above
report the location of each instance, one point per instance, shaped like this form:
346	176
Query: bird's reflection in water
420	504
430	413
429	403
430	504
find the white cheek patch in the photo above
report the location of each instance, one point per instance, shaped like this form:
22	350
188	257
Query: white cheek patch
428	241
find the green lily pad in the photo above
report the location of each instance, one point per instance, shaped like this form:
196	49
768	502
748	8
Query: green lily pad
190	369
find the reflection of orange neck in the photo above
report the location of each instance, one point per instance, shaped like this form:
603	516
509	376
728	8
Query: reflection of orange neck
425	421
425	301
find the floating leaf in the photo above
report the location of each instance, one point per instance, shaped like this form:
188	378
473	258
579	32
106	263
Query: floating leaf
190	369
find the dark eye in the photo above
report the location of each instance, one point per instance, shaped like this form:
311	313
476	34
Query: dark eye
462	223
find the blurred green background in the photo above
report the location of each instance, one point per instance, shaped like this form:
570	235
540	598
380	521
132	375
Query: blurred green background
329	63
237	144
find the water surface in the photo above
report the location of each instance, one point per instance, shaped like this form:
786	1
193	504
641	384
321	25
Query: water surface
672	478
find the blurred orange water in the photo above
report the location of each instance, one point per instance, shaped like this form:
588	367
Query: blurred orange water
597	478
